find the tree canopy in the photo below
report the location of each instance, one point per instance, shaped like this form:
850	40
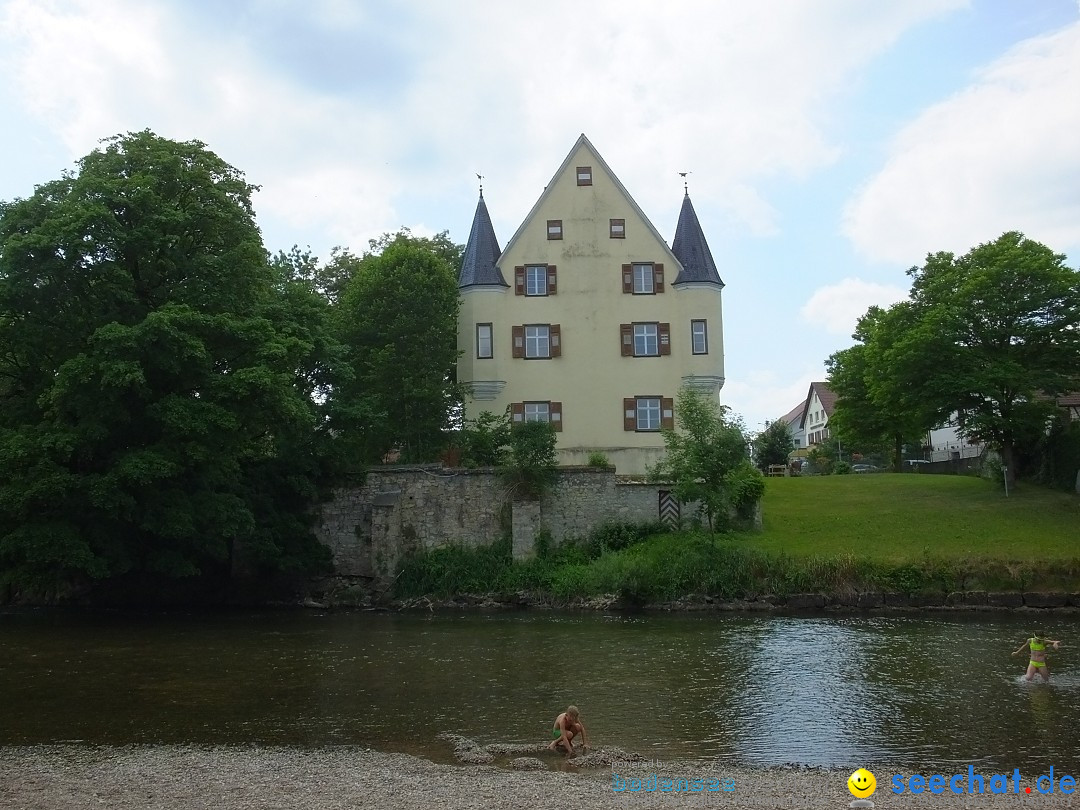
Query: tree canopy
397	318
773	445
156	376
707	460
988	339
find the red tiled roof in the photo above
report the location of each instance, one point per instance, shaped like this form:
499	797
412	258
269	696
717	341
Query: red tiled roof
793	416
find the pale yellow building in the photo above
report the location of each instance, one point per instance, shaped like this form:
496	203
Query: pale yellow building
588	319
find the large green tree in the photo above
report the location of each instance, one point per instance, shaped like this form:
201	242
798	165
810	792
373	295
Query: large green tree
988	338
707	460
397	316
156	375
875	409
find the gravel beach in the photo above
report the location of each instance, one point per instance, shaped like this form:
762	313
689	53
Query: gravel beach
58	777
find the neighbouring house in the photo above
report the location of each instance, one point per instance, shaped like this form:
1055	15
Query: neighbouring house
816	411
794	421
944	443
588	319
1071	404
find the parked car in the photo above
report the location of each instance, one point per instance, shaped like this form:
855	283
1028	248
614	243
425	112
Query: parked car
865	468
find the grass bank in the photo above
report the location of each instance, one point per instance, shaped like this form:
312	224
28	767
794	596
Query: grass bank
841	534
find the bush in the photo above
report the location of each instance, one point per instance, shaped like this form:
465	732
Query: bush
598	459
841	468
534	465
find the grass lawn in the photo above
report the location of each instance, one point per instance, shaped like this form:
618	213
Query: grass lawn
896	517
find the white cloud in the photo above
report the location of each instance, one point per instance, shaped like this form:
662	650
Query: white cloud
1002	155
763	397
737	93
837	307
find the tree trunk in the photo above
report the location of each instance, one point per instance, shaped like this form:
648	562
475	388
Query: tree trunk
898	452
1008	461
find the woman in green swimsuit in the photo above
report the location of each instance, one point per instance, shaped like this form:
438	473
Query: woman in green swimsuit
1037	661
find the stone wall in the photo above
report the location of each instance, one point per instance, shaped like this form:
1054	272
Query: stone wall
397	510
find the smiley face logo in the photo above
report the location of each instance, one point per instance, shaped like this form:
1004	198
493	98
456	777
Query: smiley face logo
862	784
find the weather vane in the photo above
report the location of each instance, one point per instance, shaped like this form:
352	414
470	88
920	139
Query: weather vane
686	186
480	177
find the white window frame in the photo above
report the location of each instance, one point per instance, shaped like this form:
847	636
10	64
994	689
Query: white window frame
536	279
646	333
648	409
699	337
644	279
537	337
484	338
537	411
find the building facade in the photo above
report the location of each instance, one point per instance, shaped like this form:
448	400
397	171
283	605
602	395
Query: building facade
588	319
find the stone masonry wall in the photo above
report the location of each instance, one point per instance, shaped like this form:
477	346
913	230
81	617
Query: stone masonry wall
369	528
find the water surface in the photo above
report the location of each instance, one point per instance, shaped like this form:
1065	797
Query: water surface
757	690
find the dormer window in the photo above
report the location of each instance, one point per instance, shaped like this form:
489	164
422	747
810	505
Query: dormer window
554	229
584	175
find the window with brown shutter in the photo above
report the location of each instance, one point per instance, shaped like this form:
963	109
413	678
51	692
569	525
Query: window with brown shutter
658	274
617	228
519	341
627	278
664	330
554	229
519	280
517	411
626	339
667	413
584	175
629	405
556	416
555	336
551	285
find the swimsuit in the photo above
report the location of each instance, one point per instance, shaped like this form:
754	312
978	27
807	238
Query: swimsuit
556	733
1036	646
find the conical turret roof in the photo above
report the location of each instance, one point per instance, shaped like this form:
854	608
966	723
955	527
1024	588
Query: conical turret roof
692	250
482	251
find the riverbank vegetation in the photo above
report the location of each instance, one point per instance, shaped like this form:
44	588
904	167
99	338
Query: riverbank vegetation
892	533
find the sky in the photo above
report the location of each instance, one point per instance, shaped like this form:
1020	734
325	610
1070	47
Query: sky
831	144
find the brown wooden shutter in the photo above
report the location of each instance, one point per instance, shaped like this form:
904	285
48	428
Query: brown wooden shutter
554	340
627	278
555	414
658	277
629	407
667	413
517	411
519	342
519	280
551	279
663	331
626	338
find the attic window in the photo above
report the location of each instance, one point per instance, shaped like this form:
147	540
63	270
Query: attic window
584	175
618	229
554	228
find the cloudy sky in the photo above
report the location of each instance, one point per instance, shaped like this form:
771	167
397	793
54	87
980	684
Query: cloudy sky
832	143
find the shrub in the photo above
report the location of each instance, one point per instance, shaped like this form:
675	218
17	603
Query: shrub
598	459
534	466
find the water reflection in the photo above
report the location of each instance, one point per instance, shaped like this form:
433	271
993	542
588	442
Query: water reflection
750	689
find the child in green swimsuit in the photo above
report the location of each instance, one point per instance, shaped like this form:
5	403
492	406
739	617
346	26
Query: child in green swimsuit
1037	661
567	725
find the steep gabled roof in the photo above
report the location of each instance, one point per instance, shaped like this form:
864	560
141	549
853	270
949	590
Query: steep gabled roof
481	253
794	416
824	395
692	250
618	185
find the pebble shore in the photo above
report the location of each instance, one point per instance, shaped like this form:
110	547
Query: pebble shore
63	777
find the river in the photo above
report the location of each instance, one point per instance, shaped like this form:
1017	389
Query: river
911	690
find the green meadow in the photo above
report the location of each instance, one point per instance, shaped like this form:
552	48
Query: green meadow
911	533
893	517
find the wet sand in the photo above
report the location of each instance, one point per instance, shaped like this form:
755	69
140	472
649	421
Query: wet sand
58	777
